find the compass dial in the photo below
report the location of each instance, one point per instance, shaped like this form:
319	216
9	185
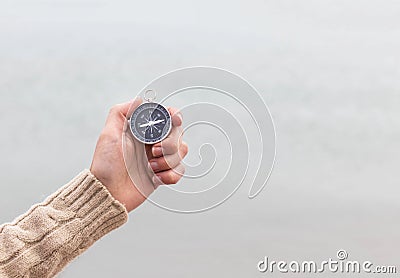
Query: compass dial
150	123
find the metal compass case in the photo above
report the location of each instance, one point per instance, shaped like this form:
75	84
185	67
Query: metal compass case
150	123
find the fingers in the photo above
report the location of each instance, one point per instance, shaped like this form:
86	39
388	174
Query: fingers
169	169
169	177
183	150
171	144
169	161
168	154
176	116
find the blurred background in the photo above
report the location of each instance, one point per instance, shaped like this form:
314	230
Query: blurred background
328	70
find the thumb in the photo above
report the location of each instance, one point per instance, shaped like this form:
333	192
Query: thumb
126	109
133	105
121	112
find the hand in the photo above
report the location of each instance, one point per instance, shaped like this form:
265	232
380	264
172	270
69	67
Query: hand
130	170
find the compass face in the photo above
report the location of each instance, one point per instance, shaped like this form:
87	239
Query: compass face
150	123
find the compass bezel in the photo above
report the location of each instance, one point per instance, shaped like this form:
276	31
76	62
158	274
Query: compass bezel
153	106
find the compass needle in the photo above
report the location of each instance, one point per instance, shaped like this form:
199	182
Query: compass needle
150	122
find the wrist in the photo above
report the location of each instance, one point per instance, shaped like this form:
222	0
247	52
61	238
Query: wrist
121	190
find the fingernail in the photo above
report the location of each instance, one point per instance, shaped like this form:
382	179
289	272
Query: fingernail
154	166
157	151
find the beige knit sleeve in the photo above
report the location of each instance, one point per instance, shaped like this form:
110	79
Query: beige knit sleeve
51	234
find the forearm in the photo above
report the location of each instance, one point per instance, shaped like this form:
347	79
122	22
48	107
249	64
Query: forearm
51	234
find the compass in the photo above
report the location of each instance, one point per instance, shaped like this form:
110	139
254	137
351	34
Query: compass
150	123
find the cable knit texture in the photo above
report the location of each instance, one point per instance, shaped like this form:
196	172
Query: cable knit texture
51	234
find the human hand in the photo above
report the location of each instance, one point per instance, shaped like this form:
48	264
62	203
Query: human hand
130	170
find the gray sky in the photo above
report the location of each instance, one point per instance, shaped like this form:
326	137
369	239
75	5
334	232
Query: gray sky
328	70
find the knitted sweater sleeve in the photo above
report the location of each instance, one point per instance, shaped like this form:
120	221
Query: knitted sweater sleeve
51	234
